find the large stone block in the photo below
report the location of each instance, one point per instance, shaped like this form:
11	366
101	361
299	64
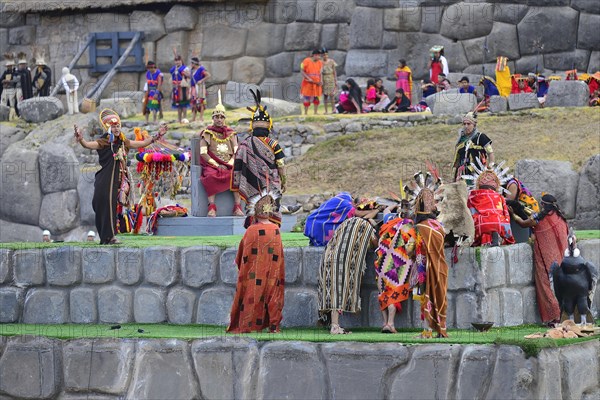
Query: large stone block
238	95
63	265
126	107
60	211
519	258
589	6
549	374
226	366
583	357
594	64
149	22
540	175
261	43
82	306
522	101
11	303
588	195
11	18
498	104
28	267
329	36
559	33
10	134
59	168
180	306
577	59
214	306
164	51
228	268
279	65
431	18
220	71
475	362
366	63
41	109
365	28
513	375
85	191
129	265
302	36
492	307
163	370
20	185
21	35
359	371
493	265
280	361
160	265
300	307
199	265
102	365
512	307
98	265
46	306
293	263
501	40
249	69
29	368
334	11
403	19
467	20
181	18
587	35
425	358
510	13
590	250
531	314
567	94
454	103
149	305
6	262
311	263
114	305
468	309
281	108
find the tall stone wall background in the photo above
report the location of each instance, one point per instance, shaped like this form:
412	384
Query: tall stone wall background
263	43
197	285
240	368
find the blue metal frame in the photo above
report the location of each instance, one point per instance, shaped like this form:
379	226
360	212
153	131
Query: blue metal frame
115	52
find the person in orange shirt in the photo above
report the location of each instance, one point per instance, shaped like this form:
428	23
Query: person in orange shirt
312	80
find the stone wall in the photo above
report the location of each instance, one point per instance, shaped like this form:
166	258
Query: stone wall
197	284
264	42
239	368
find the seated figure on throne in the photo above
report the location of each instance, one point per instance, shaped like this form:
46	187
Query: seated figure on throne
218	144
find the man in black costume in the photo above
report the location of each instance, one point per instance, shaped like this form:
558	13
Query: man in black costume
24	87
42	78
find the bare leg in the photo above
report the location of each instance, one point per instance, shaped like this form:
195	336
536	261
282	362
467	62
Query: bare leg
391	314
201	111
316	107
325	101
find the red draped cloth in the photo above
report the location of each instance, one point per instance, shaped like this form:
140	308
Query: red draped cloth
258	301
551	234
216	180
490	214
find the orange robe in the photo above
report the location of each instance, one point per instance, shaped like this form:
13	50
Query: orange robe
313	70
258	301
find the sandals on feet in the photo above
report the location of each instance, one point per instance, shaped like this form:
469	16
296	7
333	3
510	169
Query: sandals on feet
114	240
426	334
386	329
237	211
212	210
338	330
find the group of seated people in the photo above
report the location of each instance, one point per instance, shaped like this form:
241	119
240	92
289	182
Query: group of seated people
376	99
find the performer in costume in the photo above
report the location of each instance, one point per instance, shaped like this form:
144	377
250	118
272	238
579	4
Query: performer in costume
9	83
259	163
180	75
153	87
329	75
404	78
471	145
71	84
437	63
312	84
322	222
503	77
112	182
218	145
488	207
551	232
199	75
259	294
24	87
41	78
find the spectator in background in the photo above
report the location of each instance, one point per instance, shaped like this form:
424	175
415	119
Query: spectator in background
404	78
437	63
353	103
466	87
400	102
91	236
199	75
443	83
428	88
180	97
542	89
329	80
532	82
46	236
311	87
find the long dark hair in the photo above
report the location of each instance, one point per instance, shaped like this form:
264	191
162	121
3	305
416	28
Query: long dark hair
354	91
550	205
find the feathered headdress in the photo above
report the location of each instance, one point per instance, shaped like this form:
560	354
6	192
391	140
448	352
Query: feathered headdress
109	118
260	116
38	56
219	108
421	192
494	178
22	56
10	59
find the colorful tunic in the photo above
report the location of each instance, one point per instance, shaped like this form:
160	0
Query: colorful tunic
468	149
198	89
321	223
313	70
111	186
255	170
259	294
154	81
343	265
503	81
551	234
404	81
490	214
329	82
433	274
220	148
180	97
393	263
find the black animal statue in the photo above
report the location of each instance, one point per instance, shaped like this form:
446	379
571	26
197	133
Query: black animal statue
574	283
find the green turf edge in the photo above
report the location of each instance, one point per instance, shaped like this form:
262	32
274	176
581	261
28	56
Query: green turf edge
512	336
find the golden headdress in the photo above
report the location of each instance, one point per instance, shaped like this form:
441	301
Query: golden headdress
219	108
264	207
10	59
109	118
